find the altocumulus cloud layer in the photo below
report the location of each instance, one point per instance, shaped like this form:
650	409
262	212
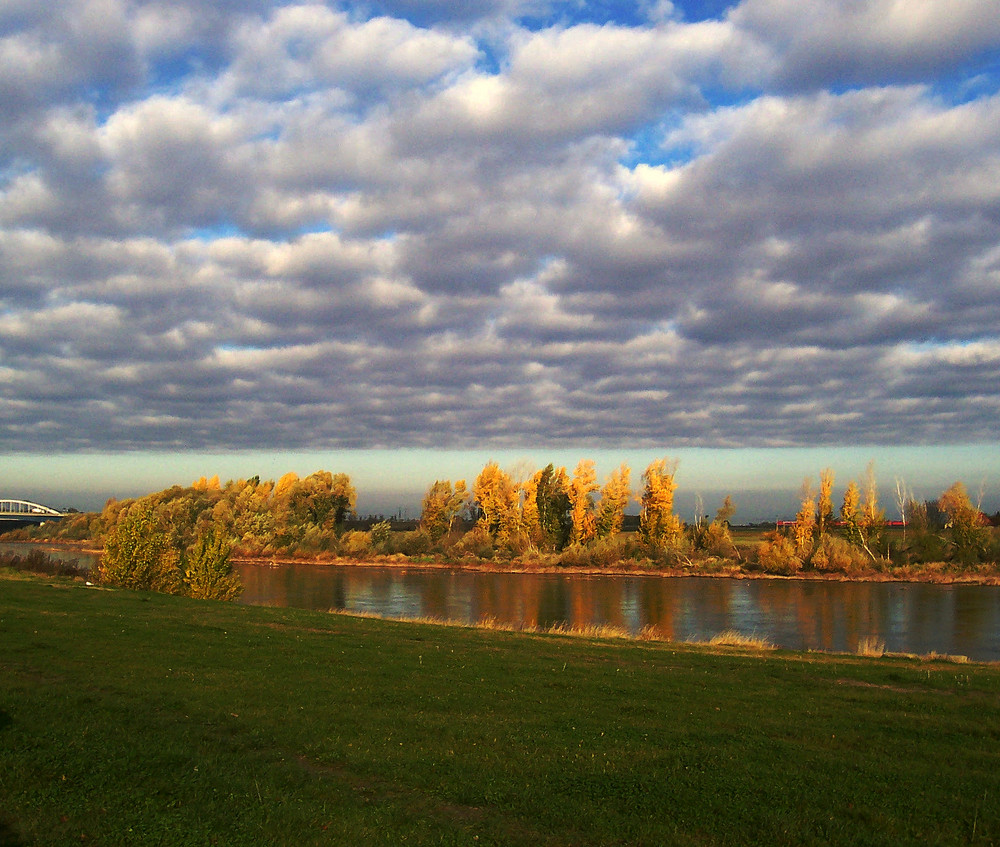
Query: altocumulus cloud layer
241	223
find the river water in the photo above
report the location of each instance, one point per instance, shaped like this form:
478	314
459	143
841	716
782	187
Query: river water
796	614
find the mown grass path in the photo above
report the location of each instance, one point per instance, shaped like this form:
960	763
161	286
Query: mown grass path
135	719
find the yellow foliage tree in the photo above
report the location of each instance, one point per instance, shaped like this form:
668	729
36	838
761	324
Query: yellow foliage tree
581	499
658	525
498	501
440	507
824	508
968	532
614	500
805	521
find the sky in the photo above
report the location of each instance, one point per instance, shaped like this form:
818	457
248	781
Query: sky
400	239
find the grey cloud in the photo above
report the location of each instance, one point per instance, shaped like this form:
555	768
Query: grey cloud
817	43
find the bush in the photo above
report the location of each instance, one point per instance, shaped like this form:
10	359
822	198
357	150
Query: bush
601	554
380	534
476	542
833	553
355	543
776	554
415	543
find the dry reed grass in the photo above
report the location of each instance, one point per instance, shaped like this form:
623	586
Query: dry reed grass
871	647
732	638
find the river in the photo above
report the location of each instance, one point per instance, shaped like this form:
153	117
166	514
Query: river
791	613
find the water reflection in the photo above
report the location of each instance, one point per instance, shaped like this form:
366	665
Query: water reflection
797	614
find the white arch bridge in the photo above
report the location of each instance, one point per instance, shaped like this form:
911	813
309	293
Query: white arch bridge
22	511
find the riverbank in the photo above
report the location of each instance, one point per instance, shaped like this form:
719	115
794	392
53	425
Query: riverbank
940	573
142	718
943	573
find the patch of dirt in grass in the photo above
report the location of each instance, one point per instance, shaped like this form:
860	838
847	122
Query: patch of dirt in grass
897	689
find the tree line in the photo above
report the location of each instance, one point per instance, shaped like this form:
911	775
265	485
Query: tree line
182	539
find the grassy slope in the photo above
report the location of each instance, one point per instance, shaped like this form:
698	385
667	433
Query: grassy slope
144	719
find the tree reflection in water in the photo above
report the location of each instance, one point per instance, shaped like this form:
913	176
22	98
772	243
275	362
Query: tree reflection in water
798	614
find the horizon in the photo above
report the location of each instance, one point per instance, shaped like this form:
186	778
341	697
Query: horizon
765	484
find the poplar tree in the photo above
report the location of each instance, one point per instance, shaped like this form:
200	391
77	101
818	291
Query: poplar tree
498	500
658	525
614	500
824	508
805	521
581	498
552	501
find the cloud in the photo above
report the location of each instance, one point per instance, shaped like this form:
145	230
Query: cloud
295	226
816	43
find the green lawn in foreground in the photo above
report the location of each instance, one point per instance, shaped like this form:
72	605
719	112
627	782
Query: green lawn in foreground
136	719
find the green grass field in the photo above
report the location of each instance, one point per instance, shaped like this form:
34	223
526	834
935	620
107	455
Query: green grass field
140	719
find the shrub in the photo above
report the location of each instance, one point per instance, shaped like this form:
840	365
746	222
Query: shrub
414	543
776	554
476	542
717	540
601	554
355	543
380	534
833	553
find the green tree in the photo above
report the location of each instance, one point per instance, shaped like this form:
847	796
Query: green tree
553	503
138	553
208	572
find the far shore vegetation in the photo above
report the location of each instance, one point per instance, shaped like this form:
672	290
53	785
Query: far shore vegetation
181	540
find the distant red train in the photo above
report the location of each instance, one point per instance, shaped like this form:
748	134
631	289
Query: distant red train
841	523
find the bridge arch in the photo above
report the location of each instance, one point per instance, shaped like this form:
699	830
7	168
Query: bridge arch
26	509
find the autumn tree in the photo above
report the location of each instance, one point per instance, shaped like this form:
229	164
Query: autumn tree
245	514
497	498
824	506
715	537
322	499
969	535
614	500
850	513
441	506
658	525
529	509
872	517
581	492
804	527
